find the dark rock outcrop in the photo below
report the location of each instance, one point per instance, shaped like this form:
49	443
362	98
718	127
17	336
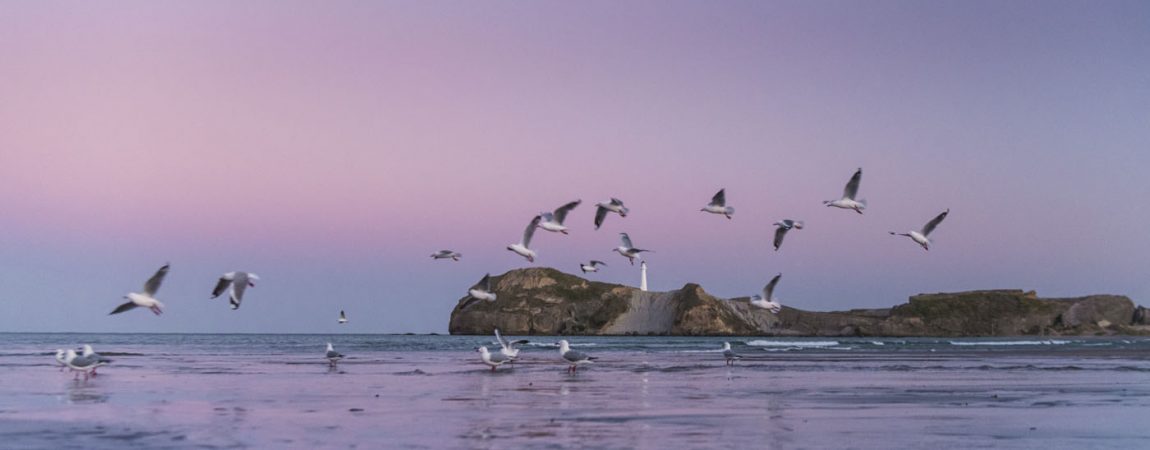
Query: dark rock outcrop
543	301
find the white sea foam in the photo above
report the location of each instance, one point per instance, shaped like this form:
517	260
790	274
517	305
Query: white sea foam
878	342
1048	342
803	344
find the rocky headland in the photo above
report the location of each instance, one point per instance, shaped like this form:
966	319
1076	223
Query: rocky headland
544	301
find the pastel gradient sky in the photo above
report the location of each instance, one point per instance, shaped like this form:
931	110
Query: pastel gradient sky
332	146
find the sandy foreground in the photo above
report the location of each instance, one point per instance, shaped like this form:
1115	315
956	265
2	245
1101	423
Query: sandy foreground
627	400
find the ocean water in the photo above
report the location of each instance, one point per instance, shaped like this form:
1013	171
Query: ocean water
277	391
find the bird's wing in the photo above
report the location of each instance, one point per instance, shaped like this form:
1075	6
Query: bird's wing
780	232
852	187
573	356
483	284
467	302
626	240
561	213
519	342
597	263
720	198
934	222
600	214
239	284
498	337
770	288
122	308
153	283
530	231
616	202
221	286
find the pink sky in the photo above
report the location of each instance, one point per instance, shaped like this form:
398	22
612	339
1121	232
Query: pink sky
330	147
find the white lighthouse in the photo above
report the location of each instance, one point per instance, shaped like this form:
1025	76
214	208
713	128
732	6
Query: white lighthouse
643	279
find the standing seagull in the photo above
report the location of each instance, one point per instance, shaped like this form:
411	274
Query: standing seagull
492	359
100	359
521	247
718	205
554	221
615	206
729	354
342	317
481	291
849	192
783	227
592	266
573	357
920	237
447	254
80	364
508	348
627	249
767	301
238	281
332	355
147	299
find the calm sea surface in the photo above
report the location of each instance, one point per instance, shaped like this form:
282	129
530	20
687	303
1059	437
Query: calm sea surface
277	391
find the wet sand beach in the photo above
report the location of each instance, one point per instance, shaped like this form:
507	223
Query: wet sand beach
229	392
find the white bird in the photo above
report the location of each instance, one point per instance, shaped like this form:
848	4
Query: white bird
80	363
615	206
627	249
920	237
235	283
332	356
573	358
480	291
554	221
767	301
60	359
718	205
492	359
849	192
447	254
783	227
508	348
729	354
100	359
342	317
146	299
592	266
521	248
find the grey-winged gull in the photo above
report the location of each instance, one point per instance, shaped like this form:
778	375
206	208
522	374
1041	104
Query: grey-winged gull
554	221
767	300
148	298
627	249
572	357
850	191
614	205
235	283
783	227
920	237
718	205
521	248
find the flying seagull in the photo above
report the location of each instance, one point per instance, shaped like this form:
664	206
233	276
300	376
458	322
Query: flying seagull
332	356
342	317
447	254
573	358
767	301
147	299
521	248
615	206
718	205
238	281
783	227
508	348
849	192
492	359
592	266
729	354
920	237
627	249
481	291
554	221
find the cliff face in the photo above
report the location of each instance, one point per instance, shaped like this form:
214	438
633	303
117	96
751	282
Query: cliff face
549	302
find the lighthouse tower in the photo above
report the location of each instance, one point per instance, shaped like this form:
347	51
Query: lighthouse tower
643	280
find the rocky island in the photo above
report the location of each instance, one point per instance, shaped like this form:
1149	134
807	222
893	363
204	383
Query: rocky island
544	301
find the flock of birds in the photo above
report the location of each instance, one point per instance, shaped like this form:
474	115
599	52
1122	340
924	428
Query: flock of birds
553	221
236	283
